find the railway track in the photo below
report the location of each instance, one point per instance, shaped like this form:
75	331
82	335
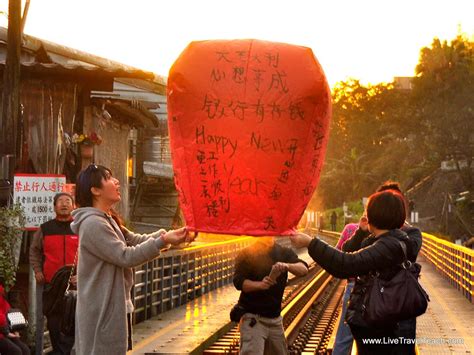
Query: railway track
317	324
309	311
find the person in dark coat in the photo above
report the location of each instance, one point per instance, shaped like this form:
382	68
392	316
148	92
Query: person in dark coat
382	252
361	239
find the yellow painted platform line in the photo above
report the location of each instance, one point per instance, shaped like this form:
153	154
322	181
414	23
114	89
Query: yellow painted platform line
213	244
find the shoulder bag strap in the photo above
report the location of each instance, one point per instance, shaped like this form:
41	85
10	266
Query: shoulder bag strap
406	263
72	272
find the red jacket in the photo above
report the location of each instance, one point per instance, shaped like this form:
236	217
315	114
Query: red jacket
4	307
54	246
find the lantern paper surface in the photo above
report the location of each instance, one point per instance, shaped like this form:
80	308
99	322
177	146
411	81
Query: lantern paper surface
248	124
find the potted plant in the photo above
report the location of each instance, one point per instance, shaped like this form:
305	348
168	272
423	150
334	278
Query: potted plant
86	143
12	221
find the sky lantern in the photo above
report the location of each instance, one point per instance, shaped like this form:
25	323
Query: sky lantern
248	122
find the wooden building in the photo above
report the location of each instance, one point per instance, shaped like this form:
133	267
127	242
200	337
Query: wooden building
65	92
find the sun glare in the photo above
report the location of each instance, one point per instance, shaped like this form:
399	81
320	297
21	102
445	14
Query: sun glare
367	40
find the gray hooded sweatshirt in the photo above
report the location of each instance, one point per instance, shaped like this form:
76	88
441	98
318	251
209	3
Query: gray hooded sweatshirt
105	278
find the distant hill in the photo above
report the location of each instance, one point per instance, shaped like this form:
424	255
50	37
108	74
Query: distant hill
431	200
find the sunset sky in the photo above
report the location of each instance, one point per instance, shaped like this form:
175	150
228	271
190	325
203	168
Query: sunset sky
369	40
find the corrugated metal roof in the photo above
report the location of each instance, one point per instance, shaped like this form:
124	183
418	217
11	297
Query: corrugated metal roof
70	59
137	112
123	89
121	84
81	70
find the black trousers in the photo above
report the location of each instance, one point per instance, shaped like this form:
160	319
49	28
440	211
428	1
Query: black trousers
13	346
61	343
129	332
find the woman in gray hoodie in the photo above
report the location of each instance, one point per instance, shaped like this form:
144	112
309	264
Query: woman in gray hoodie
107	254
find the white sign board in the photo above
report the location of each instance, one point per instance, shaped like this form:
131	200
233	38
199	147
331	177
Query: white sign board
364	201
35	193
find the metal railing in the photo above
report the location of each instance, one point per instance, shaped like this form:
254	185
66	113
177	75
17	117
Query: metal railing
178	276
455	262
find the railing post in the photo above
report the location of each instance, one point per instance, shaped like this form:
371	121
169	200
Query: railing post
162	282
145	292
152	286
180	279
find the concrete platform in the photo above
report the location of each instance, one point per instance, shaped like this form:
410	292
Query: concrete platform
183	329
448	325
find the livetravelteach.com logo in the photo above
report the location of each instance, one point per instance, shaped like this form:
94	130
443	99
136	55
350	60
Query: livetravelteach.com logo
409	341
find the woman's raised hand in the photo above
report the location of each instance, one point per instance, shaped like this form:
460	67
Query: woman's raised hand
300	240
176	236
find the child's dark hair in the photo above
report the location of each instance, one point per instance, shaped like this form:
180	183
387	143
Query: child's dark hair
88	178
389	185
386	209
393	185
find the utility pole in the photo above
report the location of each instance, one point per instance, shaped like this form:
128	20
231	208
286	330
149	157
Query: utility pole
25	14
11	83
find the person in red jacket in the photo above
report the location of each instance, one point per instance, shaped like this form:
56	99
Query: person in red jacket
10	343
54	245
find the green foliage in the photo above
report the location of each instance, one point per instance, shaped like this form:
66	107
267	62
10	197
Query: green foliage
443	96
12	221
380	132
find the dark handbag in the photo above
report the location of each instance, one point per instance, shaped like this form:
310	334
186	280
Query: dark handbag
236	313
53	292
16	320
399	298
68	319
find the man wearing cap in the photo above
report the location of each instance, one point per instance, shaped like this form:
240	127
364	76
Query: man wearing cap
54	245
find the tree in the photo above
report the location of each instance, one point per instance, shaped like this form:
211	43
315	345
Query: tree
443	97
379	132
368	123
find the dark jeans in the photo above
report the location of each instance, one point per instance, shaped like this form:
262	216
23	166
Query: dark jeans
344	339
15	346
61	344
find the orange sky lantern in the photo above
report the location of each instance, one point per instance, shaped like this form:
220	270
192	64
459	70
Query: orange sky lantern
248	123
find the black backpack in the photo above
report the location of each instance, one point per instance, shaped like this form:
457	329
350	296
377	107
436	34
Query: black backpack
399	298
